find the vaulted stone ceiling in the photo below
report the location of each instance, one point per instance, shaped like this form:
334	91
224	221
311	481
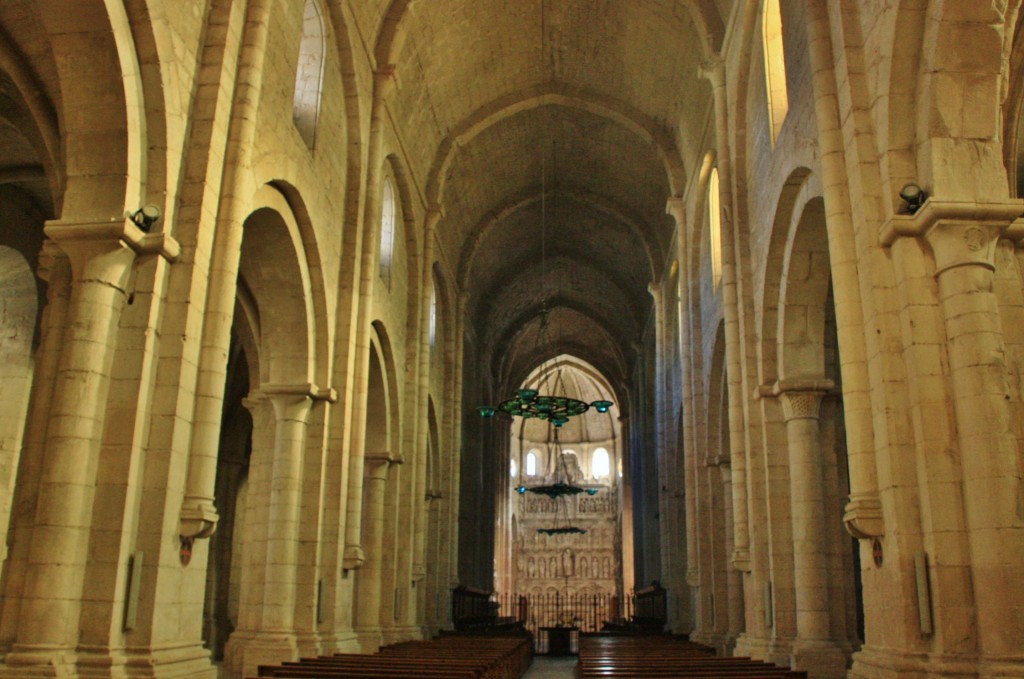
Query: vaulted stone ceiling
598	102
552	132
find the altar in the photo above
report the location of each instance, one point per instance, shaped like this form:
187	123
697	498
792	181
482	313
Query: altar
561	640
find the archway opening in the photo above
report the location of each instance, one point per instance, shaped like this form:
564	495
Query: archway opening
550	580
223	574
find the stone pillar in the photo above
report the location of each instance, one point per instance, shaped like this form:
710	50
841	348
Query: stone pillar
962	237
268	633
101	257
383	86
368	592
291	407
813	649
964	251
435	214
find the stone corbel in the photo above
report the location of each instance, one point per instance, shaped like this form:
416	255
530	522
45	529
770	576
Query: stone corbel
124	230
353	558
197	521
741	560
419	572
863	517
383	458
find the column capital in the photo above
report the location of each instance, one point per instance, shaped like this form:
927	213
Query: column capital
675	207
435	213
959	233
385	80
291	401
712	69
377	463
800	399
51	257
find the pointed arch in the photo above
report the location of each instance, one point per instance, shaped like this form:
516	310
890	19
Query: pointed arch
309	73
774	67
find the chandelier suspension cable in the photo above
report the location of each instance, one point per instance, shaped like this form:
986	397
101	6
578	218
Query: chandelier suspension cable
528	402
543	179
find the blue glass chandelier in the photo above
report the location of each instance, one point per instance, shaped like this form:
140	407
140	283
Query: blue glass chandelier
557	410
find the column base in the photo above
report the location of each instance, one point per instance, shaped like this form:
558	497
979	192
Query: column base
39	661
874	663
191	661
247	650
369	639
396	635
341	642
309	645
751	647
820	658
780	651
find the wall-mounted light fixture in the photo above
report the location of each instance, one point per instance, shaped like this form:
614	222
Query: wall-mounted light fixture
145	217
914	196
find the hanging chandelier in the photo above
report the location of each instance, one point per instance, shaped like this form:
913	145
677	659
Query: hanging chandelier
557	410
560	491
560	524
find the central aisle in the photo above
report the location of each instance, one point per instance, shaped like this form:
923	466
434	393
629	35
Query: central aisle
551	668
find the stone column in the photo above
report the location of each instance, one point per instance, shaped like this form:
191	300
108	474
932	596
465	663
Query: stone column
435	213
813	649
383	86
962	237
368	594
291	407
964	252
101	257
270	635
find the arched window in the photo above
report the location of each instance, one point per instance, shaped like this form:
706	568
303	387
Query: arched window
309	75
387	229
715	228
600	465
774	68
514	469
433	315
531	463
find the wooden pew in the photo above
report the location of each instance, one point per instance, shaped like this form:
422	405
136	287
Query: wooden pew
448	657
664	657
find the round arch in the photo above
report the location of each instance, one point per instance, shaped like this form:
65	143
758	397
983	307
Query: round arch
280	265
106	172
796	192
804	289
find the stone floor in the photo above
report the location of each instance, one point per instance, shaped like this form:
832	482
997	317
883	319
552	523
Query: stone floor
551	668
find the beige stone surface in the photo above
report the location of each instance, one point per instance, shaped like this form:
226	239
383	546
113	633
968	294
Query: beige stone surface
245	430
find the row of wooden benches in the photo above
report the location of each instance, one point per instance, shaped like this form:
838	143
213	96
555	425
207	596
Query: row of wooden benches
447	657
665	656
